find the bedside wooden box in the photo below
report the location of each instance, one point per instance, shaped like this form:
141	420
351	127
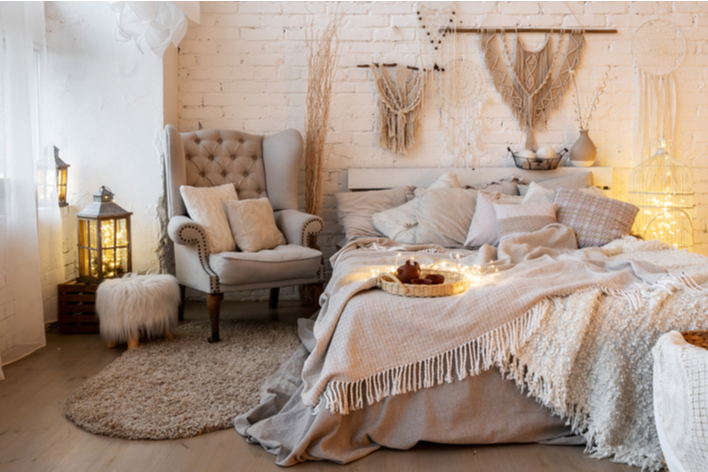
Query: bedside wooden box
77	307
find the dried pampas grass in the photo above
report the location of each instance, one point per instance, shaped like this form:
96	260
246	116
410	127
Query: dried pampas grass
323	52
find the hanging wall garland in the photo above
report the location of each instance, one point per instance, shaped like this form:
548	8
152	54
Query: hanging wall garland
458	83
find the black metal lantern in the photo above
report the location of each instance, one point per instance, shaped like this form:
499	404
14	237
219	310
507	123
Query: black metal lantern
104	239
62	174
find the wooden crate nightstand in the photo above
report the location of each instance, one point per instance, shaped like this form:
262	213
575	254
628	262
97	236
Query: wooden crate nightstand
77	307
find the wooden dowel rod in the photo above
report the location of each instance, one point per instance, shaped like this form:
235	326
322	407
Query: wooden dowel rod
531	30
393	64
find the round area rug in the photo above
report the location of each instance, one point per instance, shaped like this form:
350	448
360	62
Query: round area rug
169	389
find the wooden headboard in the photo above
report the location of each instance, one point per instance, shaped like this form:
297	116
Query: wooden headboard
375	178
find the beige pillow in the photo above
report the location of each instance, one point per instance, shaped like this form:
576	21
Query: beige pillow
355	209
205	206
253	225
400	223
444	215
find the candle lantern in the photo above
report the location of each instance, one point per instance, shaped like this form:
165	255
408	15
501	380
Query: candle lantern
62	173
104	239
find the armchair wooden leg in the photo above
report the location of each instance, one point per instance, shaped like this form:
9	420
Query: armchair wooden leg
273	300
180	313
214	307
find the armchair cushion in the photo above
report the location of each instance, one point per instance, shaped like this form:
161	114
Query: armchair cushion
253	225
287	262
297	226
207	206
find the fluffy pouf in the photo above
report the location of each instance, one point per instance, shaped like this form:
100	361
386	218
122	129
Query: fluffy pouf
137	305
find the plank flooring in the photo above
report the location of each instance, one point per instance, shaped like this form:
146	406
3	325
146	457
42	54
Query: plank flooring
35	436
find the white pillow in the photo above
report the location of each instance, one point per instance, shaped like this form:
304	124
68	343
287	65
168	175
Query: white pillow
206	206
538	194
484	228
400	223
253	225
515	219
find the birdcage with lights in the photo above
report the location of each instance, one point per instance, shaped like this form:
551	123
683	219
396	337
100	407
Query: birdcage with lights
662	188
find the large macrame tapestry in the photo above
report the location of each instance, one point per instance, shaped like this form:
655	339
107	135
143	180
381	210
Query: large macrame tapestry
399	101
532	83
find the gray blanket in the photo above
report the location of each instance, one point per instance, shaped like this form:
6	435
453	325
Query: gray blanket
479	410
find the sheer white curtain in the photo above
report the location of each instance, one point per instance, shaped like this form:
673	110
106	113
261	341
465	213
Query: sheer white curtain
26	179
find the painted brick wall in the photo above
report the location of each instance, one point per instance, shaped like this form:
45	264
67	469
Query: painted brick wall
245	68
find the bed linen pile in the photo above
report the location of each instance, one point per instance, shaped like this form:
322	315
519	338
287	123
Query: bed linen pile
575	327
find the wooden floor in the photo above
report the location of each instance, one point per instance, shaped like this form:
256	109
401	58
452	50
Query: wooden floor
35	436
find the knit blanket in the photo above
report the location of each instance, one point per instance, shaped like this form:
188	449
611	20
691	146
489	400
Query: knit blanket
371	345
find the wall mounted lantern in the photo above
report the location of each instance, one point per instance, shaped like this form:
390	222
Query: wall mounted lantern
62	174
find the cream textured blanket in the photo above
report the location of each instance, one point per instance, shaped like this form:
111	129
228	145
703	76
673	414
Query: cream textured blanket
375	345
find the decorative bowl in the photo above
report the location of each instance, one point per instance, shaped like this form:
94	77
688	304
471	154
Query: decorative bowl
537	163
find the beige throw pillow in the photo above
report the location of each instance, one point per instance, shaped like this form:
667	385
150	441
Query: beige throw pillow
444	215
205	206
400	223
253	225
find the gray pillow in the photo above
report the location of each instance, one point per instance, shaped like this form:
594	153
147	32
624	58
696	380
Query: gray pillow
576	181
355	209
444	215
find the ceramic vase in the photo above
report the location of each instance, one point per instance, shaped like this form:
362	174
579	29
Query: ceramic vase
583	152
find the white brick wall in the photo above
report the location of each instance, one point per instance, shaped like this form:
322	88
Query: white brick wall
245	68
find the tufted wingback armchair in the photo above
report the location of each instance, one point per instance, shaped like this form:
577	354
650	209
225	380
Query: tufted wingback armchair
259	167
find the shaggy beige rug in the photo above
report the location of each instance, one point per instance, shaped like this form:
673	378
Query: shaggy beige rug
185	387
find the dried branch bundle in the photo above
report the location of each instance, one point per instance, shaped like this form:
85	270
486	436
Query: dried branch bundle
322	55
592	100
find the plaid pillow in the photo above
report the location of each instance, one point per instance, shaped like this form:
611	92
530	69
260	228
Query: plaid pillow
595	220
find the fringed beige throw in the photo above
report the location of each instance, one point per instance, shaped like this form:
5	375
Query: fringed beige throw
533	83
372	345
400	104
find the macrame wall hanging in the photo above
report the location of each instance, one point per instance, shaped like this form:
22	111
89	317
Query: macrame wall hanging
458	84
532	82
658	48
400	102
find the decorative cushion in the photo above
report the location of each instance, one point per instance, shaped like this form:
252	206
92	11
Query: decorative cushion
484	229
514	219
595	220
400	223
444	215
576	181
355	209
539	194
206	206
289	262
253	225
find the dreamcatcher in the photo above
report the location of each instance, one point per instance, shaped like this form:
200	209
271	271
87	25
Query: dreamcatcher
532	83
457	83
658	48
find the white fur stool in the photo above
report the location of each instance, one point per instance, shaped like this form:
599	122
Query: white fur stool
135	305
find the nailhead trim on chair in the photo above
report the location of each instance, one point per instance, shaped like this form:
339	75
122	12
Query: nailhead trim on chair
306	232
203	252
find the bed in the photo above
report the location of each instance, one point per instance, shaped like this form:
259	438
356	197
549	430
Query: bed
541	351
